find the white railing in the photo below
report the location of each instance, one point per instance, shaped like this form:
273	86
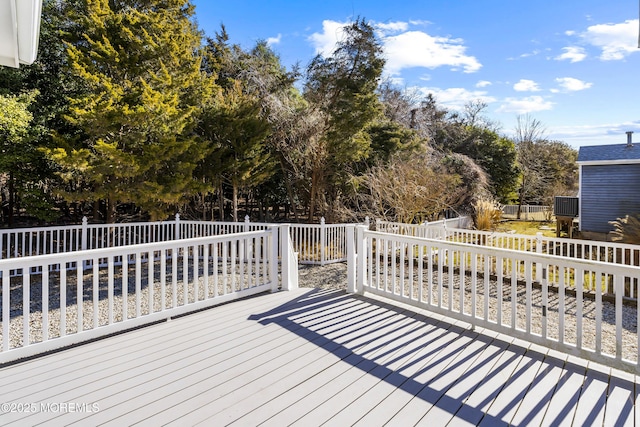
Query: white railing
527	212
496	289
610	252
51	301
315	243
289	260
21	242
430	230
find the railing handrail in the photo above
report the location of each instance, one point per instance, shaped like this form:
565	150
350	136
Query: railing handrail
329	247
212	270
74	256
494	288
539	237
540	258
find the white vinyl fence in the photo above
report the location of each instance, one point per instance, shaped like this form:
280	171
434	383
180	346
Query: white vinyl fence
609	252
315	243
51	301
527	212
430	230
496	289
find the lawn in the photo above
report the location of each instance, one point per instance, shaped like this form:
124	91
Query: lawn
547	228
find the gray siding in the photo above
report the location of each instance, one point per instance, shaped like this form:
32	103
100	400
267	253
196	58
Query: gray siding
608	192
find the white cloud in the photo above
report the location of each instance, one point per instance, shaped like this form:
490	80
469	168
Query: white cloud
483	83
532	53
529	104
455	98
572	53
569	84
325	42
392	27
595	134
419	49
526	86
616	40
274	40
404	50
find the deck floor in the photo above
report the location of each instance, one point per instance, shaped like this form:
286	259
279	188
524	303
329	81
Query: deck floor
312	357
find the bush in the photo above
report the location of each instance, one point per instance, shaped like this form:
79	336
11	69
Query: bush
487	214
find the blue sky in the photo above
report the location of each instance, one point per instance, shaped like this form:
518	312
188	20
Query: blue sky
573	65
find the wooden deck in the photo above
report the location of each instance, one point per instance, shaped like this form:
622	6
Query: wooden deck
311	357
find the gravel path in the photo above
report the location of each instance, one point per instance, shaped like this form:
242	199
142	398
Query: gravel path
333	276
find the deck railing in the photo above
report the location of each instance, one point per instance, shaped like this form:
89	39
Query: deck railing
609	252
315	243
51	301
430	230
496	289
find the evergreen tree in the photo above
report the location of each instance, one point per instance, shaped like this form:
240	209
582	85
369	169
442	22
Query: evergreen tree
141	61
15	152
343	88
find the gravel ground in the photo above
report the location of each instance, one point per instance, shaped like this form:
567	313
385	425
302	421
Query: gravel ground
333	276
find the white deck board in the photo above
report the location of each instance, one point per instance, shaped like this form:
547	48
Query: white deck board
311	357
561	412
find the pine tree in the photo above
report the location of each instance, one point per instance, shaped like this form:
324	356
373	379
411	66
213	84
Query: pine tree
141	63
343	88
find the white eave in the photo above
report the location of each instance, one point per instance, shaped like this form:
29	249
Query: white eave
609	162
19	31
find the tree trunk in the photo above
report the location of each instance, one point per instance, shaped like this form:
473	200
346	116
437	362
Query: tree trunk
235	202
221	201
11	199
313	195
292	199
111	210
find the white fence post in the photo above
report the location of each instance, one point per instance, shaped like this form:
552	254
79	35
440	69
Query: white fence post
361	257
538	250
351	259
323	240
247	249
288	269
273	259
176	233
83	233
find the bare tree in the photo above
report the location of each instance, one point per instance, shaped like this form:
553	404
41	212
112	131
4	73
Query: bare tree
529	132
412	189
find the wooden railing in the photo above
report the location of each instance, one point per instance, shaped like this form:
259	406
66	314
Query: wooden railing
51	301
497	289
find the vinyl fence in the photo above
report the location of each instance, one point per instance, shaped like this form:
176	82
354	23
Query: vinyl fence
314	243
495	288
51	301
527	212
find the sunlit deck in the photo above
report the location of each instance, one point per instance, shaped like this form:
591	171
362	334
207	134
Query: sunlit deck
310	357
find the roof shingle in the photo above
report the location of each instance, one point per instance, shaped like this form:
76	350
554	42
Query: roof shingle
609	152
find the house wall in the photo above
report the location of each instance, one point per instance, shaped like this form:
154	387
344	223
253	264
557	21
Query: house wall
608	192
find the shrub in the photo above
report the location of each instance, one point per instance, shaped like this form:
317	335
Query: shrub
487	214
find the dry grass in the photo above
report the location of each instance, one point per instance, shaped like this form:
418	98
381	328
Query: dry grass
626	230
487	214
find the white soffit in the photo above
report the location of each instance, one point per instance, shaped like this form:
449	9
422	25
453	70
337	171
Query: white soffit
19	31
